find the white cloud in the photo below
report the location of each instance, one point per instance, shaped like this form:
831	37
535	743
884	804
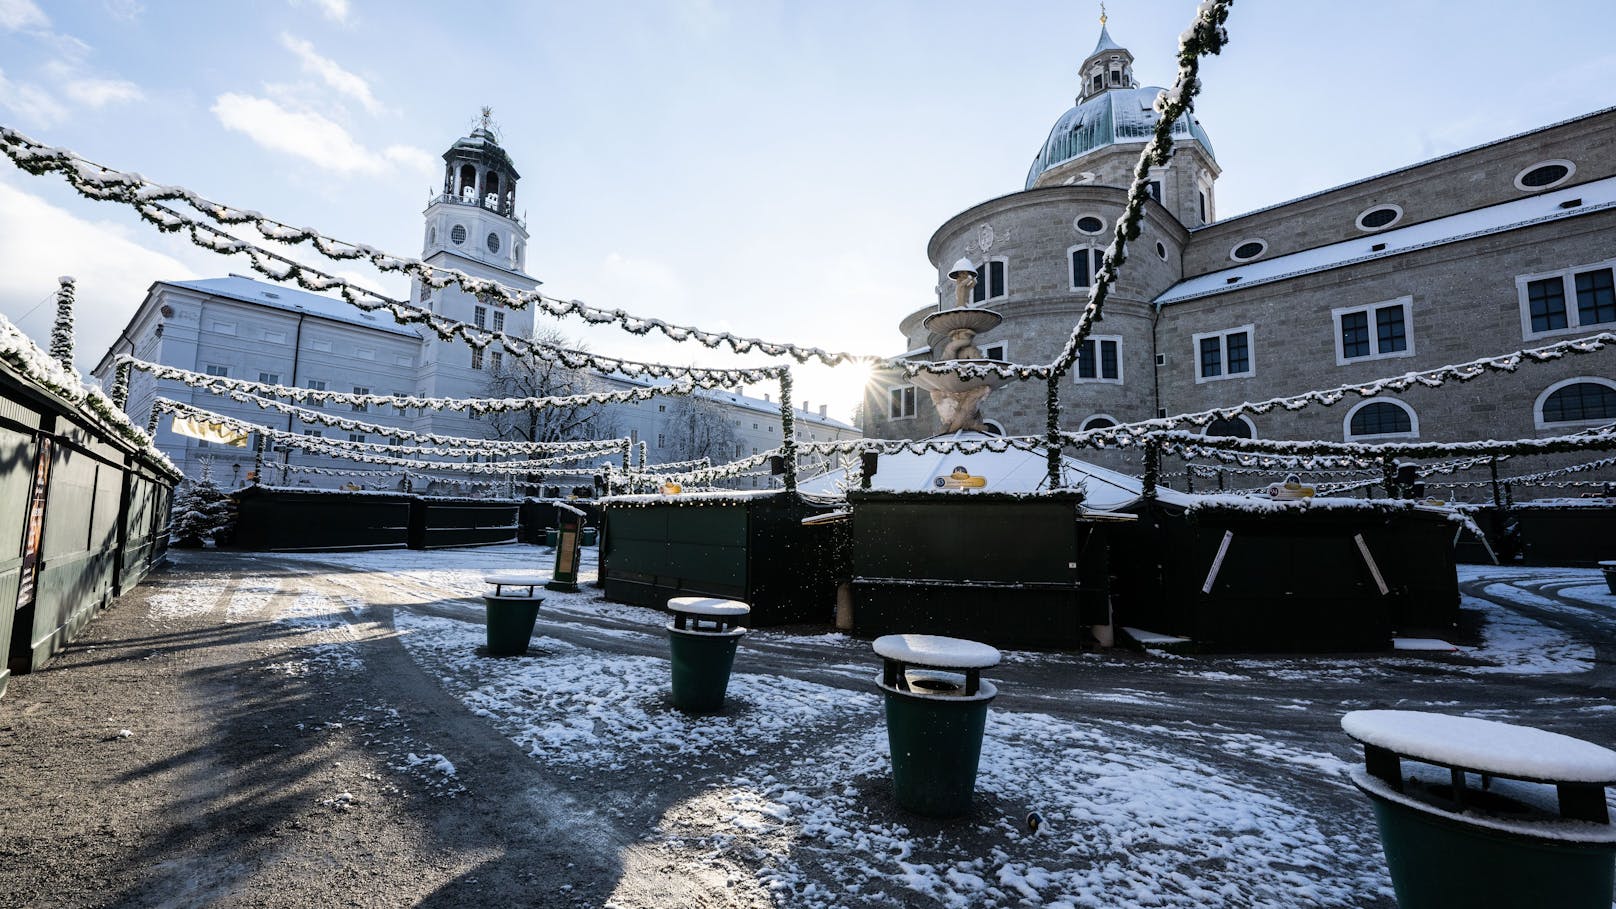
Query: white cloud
30	102
98	93
113	272
335	10
127	10
19	14
333	75
310	136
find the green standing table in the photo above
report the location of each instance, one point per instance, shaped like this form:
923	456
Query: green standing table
937	710
702	635
511	615
1487	815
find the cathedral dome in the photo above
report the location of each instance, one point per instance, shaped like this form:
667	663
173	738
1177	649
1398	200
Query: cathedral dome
1112	117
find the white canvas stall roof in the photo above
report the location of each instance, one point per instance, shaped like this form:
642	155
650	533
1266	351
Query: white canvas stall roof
1013	470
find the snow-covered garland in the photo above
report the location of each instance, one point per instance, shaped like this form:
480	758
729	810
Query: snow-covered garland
351	451
27	358
995	444
1536	479
330	471
480	406
190	410
1205	36
61	342
1192	445
497	446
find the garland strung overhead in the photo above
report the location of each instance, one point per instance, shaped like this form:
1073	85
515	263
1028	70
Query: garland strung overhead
1190	444
1536	479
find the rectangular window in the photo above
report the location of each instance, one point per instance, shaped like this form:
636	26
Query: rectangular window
1596	299
990	281
499	320
1224	354
361	407
999	351
480	316
901	402
1374	332
1086	263
1099	359
1391	329
316	385
214	369
661	440
495	360
1099	82
270	378
313	433
1116	77
1155	189
356	437
1546	299
476	358
1355	335
1205	208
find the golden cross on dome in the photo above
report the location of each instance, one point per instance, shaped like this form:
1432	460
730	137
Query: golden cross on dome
1102	12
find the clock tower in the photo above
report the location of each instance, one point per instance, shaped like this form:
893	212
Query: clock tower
472	226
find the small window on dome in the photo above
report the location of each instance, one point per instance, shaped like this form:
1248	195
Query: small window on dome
493	242
1089	224
1545	174
1248	250
1379	216
458	234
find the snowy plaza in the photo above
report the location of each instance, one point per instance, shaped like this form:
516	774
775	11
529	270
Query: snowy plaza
637	520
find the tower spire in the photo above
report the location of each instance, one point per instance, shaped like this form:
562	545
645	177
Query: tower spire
1102	13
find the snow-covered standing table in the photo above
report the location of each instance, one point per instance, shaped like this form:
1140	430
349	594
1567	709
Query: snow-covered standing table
1578	770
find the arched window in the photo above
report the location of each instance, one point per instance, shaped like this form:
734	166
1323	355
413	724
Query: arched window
1379	418
995	428
1098	421
1579	400
468	182
1237	427
491	190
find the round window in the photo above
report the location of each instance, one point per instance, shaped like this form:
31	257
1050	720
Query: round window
458	234
1248	250
1161	250
1545	174
493	243
1379	216
1088	224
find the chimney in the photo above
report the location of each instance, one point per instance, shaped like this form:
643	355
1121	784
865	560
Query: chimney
805	405
822	409
765	397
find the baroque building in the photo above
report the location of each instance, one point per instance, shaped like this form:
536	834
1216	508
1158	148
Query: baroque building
1484	251
244	328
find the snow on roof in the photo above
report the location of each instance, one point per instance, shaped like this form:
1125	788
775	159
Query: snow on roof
1012	470
1483	745
274	296
709	606
1595	196
936	651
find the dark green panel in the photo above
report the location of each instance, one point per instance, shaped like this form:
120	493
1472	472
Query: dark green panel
718	564
67	503
645	524
17	453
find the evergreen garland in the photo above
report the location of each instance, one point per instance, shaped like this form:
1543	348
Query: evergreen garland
61	342
788	431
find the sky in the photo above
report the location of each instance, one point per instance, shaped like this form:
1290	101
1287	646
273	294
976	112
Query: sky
768	168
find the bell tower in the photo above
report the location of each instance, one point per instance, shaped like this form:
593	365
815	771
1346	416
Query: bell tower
472	226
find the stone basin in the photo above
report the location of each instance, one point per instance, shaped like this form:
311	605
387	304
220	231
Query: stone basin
977	320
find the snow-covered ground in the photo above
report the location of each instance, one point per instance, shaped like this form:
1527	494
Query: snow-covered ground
1161	780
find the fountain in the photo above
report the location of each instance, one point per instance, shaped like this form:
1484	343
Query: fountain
958	399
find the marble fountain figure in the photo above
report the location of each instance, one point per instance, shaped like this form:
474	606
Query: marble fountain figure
959	400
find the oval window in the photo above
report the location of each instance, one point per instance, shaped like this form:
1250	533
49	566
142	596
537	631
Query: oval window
458	234
1378	217
1545	174
1248	250
493	243
1089	224
1161	250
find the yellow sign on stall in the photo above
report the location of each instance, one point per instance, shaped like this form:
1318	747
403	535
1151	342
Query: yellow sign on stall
962	479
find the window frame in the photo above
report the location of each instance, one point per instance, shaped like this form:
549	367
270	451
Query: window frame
984	280
1413	420
1250	424
1537	406
1096	260
1085	427
1371	311
1568	287
908	398
1099	378
1223	351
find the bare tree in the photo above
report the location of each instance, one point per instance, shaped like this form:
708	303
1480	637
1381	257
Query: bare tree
530	377
699	427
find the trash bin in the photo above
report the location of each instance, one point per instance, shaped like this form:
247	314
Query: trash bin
1490	815
701	638
552	536
588	536
1609	569
511	615
937	709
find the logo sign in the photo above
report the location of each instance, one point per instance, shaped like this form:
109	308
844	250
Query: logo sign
960	478
671	489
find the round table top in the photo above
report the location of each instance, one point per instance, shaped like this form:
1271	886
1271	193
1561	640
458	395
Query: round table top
936	651
1486	746
516	579
708	606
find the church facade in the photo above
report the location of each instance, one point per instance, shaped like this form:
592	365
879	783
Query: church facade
1485	251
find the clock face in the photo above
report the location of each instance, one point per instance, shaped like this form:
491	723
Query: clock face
493	243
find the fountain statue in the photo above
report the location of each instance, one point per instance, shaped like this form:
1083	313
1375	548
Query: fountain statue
959	400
